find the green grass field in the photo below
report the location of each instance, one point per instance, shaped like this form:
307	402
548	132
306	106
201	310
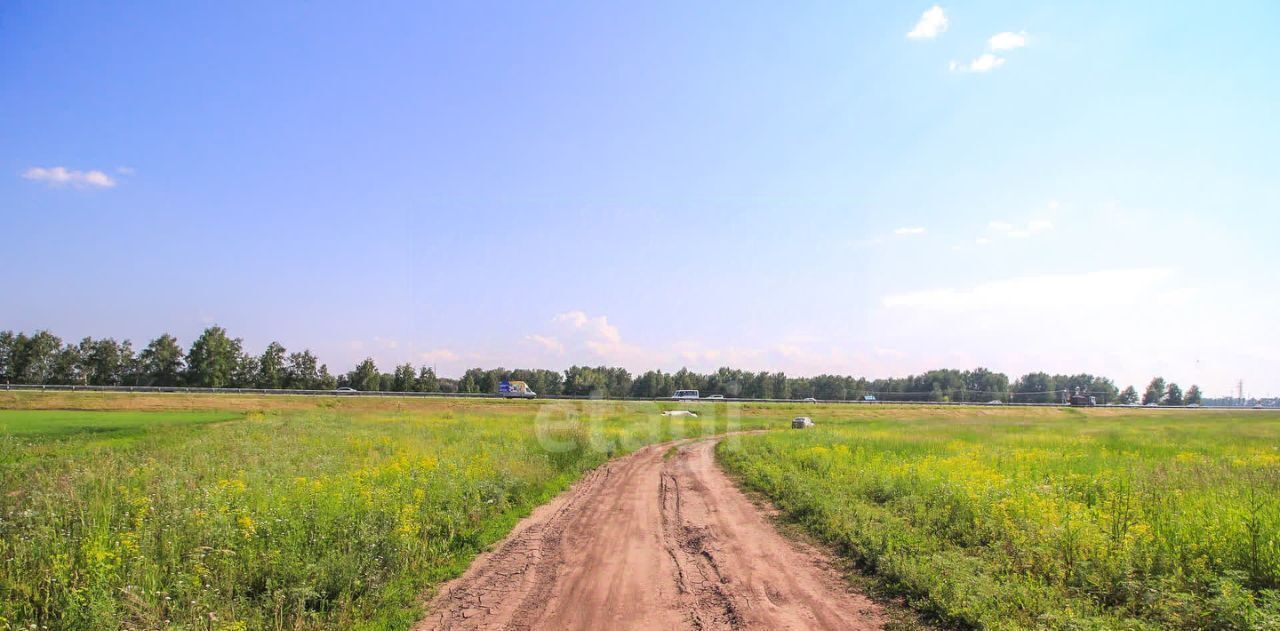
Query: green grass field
251	512
1049	519
169	511
112	424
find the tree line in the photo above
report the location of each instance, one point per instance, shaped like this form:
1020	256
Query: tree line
216	360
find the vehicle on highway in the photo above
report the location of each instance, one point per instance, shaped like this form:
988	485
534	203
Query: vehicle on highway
715	396
801	422
685	394
995	402
1193	405
1083	399
516	390
810	400
1257	406
1152	405
345	390
869	398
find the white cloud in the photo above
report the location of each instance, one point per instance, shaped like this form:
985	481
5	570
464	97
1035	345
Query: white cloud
1007	41
880	239
1126	323
692	353
1010	231
438	355
985	62
598	337
547	343
597	327
933	22
62	176
1000	230
1107	287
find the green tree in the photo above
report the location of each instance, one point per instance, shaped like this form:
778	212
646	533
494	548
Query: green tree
1128	396
1155	391
1172	395
468	383
161	362
585	381
7	346
489	379
302	372
779	385
985	385
271	367
651	385
684	379
403	379
214	360
35	357
426	381
106	362
68	367
1036	387
1193	395
326	381
366	376
473	380
245	372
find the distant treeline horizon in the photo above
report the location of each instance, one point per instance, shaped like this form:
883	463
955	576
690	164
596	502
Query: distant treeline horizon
216	360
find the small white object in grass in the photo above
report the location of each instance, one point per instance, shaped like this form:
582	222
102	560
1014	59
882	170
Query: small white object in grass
680	413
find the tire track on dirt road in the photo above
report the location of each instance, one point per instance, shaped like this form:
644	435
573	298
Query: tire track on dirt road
650	542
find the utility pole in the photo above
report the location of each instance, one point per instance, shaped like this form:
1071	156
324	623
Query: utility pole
1240	391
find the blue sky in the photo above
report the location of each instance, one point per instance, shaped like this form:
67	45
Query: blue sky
852	187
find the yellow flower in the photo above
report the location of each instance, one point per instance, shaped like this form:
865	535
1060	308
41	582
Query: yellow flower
247	527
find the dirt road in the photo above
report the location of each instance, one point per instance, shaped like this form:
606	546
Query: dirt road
650	542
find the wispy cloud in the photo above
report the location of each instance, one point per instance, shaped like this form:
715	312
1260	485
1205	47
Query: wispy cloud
438	355
62	176
1011	231
895	234
985	62
1040	291
1007	41
988	61
1000	229
932	23
546	342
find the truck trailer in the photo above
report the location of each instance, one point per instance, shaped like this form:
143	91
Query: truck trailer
515	390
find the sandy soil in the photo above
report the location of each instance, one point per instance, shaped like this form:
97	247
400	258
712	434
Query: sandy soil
647	542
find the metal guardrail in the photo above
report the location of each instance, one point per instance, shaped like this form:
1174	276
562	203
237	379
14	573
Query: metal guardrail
485	395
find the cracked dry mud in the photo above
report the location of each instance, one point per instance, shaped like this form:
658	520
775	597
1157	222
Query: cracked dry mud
647	542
